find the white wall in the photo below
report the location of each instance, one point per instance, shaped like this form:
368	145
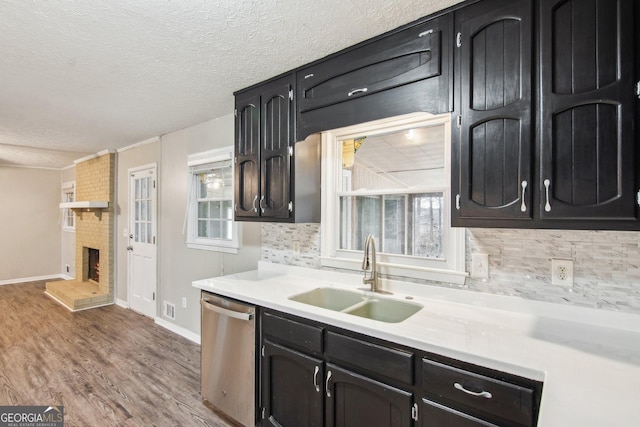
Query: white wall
30	227
179	265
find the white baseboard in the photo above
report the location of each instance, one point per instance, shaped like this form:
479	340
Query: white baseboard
35	279
178	330
122	303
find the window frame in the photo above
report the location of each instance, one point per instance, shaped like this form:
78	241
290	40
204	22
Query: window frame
451	268
196	163
68	188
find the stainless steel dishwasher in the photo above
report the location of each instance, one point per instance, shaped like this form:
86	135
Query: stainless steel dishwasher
228	382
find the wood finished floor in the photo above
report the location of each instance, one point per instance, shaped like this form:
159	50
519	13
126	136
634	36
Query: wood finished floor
108	366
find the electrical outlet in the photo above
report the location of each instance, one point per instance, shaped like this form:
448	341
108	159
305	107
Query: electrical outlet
184	302
562	272
295	246
480	266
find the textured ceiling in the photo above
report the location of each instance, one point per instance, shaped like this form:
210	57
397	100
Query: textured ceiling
81	77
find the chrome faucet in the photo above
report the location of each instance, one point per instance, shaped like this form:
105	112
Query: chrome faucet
370	246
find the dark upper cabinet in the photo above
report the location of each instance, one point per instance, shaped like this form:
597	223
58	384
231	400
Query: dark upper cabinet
492	137
247	154
587	107
403	72
267	158
565	154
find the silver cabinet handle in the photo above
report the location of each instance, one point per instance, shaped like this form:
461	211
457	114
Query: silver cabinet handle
326	384
360	90
459	39
484	394
547	206
425	33
225	311
315	379
457	202
523	206
261	207
255	199
308	76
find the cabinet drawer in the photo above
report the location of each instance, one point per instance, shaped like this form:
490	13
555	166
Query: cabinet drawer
474	391
292	333
371	358
435	415
401	58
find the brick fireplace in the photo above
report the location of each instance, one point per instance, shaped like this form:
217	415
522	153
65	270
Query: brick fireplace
94	282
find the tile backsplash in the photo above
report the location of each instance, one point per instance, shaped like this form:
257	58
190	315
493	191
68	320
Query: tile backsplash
606	263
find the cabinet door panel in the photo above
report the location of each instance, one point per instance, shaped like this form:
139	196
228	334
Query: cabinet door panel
247	152
289	393
275	162
492	148
588	142
357	401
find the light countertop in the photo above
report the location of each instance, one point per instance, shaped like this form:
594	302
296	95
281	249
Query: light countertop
588	359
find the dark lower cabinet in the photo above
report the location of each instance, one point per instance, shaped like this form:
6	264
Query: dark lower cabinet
317	375
292	392
357	401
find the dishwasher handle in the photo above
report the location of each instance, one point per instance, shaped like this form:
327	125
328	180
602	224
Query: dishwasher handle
225	311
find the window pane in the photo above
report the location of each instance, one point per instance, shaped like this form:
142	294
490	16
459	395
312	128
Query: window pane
203	229
149	236
227	209
203	210
216	183
214	210
394	225
428	225
143	210
360	216
215	231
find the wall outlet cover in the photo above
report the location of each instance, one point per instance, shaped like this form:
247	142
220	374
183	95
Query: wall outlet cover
562	272
479	266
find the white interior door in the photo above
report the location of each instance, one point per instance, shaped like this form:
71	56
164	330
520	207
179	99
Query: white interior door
142	247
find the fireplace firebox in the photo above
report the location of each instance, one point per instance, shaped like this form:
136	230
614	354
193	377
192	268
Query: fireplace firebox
93	267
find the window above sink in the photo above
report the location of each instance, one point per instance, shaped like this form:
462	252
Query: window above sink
390	179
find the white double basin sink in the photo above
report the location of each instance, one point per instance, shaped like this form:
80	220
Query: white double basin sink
363	304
